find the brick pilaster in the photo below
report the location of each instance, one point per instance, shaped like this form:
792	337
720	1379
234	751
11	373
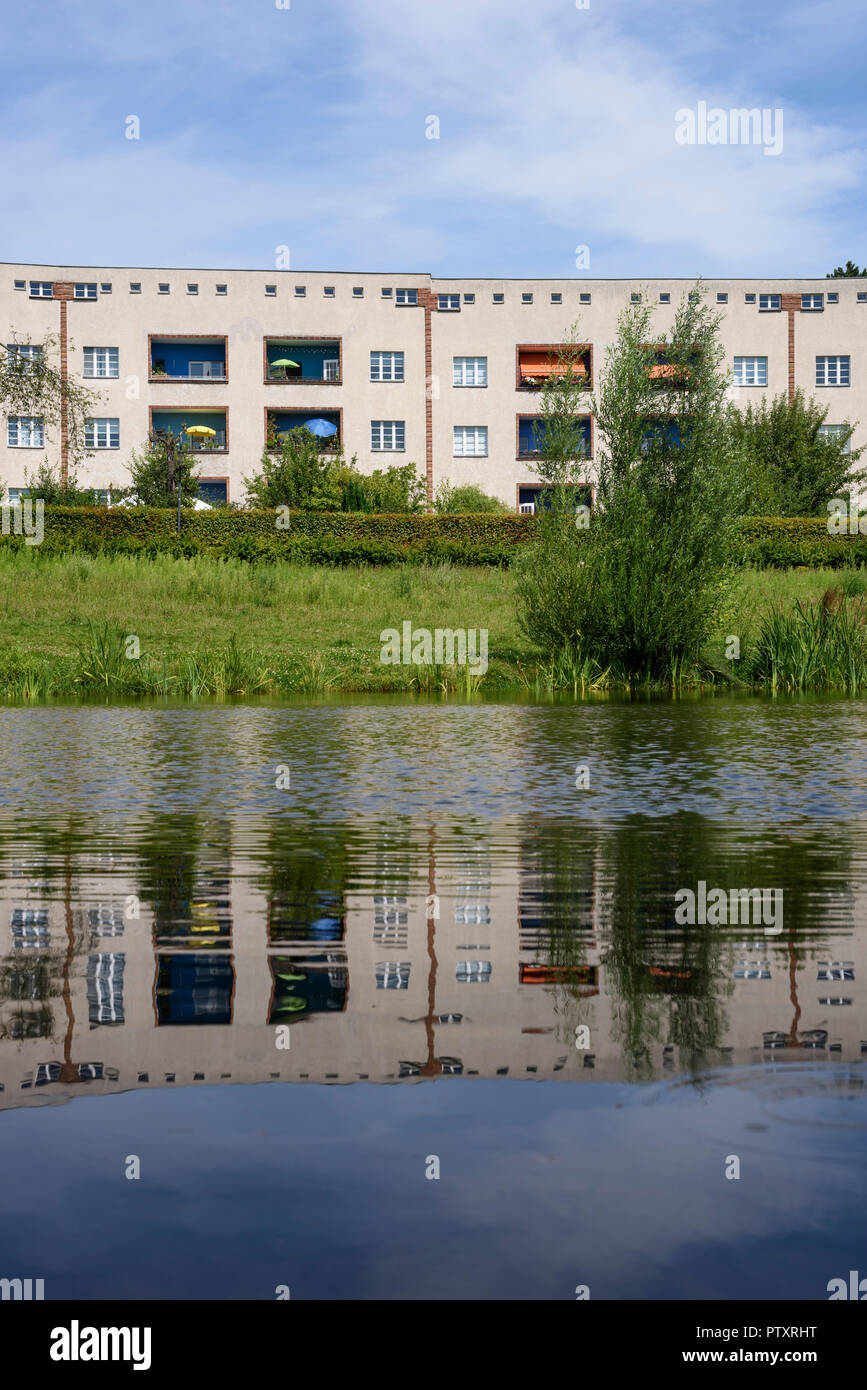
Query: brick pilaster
63	291
791	303
428	301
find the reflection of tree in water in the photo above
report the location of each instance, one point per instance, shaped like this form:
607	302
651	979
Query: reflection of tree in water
556	917
304	870
167	853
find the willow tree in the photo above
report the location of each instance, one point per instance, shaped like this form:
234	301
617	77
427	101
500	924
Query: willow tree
33	384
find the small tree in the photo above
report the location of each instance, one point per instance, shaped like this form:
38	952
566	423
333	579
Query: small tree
56	491
165	463
398	488
464	500
786	464
295	472
562	443
31	383
848	272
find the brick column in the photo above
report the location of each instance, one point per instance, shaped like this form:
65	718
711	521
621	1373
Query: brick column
63	292
428	301
791	303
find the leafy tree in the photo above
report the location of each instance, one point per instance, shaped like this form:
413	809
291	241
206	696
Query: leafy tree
638	590
465	500
295	472
31	383
165	463
563	397
786	465
398	488
56	491
849	272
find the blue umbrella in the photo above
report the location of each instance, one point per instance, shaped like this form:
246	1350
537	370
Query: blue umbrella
321	427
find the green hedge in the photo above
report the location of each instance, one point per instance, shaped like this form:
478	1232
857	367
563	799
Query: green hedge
340	538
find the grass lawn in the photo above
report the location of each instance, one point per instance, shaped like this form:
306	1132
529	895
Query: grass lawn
207	627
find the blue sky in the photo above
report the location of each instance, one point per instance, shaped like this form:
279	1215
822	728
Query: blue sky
306	127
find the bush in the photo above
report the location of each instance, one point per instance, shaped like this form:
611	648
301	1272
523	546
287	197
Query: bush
465	501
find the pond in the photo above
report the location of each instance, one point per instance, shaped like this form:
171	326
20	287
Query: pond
391	999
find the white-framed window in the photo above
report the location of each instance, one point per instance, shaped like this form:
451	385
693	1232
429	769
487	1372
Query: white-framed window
26	353
834	298
192	289
470	441
722	298
585	298
861	296
164	287
270	291
101	361
206	369
406	297
469	299
84	290
769	303
20	284
41	289
135	286
450	302
749	299
812	303
300	291
635	297
357	291
25	432
830	431
102	433
221	289
527	298
328	291
105	287
469	371
499	297
331	369
751	371
556	297
386	366
832	371
387	436
386	293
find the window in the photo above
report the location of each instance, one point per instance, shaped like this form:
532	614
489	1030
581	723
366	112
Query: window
584	298
328	291
331	369
300	291
832	371
105	287
386	366
271	290
769	303
406	297
163	287
749	299
862	296
665	298
499	298
386	293
25	432
206	369
23	353
834	298
469	299
22	285
192	289
387	436
470	371
470	440
751	371
693	296
526	298
135	287
831	431
221	289
41	289
357	291
556	297
449	302
722	298
100	361
102	434
635	298
813	303
84	291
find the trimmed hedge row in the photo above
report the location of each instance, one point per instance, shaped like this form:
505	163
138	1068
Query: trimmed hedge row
340	538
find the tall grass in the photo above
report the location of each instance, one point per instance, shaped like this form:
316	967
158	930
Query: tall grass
817	646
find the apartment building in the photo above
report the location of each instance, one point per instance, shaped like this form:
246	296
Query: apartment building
397	367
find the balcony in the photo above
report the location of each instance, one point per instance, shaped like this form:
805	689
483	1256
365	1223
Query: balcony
306	361
179	421
531	436
279	423
538	363
667	374
187	359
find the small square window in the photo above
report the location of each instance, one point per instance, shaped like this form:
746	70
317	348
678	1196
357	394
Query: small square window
386	293
665	298
222	289
192	289
749	299
300	291
22	285
105	287
722	299
584	298
271	290
862	296
163	289
556	297
499	299
833	298
469	299
526	298
328	291
135	286
357	291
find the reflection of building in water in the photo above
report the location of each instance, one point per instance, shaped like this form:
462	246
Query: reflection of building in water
441	957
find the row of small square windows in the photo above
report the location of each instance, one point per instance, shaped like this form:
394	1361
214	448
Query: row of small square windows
768	303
